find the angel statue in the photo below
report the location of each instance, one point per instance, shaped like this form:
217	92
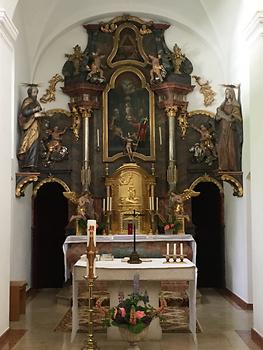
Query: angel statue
85	205
176	204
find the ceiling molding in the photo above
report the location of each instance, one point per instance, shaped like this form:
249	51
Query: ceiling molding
8	30
254	28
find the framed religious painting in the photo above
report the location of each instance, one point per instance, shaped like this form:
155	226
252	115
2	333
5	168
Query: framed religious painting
128	117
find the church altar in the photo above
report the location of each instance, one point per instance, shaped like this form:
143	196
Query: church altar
121	274
152	246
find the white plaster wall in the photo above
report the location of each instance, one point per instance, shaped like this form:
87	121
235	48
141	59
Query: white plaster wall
256	108
238	234
21	207
6	116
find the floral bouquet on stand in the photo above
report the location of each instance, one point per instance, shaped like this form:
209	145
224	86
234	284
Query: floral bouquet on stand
133	313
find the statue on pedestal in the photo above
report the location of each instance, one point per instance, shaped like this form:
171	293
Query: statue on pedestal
30	111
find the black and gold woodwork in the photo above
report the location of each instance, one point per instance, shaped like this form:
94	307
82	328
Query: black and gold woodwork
164	157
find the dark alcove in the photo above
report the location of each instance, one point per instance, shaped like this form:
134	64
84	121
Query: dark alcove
50	219
207	218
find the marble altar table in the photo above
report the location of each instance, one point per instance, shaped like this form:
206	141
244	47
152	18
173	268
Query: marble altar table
120	275
153	246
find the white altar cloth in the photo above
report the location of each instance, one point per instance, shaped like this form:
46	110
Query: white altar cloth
120	276
128	238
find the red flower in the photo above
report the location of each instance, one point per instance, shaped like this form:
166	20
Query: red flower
140	314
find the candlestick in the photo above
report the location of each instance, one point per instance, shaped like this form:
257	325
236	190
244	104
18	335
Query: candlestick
181	249
167	249
174	248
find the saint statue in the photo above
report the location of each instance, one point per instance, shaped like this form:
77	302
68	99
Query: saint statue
229	132
30	111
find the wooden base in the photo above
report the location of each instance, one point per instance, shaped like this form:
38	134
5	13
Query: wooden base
17	299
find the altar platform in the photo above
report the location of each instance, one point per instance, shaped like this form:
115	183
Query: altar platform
148	246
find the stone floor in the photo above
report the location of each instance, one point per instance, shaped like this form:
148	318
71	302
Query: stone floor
224	327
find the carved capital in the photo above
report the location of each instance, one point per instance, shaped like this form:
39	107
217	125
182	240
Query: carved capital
171	111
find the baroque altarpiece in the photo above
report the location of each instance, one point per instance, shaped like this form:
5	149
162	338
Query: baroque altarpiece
128	142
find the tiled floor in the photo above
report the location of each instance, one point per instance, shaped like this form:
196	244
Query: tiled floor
224	327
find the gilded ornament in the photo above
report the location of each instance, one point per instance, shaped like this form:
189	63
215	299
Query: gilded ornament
206	178
183	123
145	30
171	111
238	189
76	122
206	90
76	58
23	180
177	58
50	96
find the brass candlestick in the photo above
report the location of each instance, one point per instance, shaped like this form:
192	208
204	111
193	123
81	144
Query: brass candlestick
91	343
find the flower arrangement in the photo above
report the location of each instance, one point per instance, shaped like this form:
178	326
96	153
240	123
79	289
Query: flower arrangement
133	313
173	226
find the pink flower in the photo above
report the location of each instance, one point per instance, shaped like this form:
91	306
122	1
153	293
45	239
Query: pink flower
167	227
140	314
123	312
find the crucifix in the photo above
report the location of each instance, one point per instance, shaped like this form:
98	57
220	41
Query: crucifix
134	257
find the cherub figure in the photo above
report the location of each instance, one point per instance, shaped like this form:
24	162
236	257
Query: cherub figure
95	69
158	72
53	150
204	150
85	205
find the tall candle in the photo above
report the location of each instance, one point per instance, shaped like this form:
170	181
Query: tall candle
98	138
150	203
167	249
181	249
160	136
91	232
157	204
110	208
103	204
174	248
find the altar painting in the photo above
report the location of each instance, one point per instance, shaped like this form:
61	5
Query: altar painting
128	115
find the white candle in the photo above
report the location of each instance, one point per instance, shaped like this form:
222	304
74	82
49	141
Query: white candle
110	204
152	199
103	204
157	203
181	249
160	136
91	231
98	138
167	249
174	248
150	203
107	203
